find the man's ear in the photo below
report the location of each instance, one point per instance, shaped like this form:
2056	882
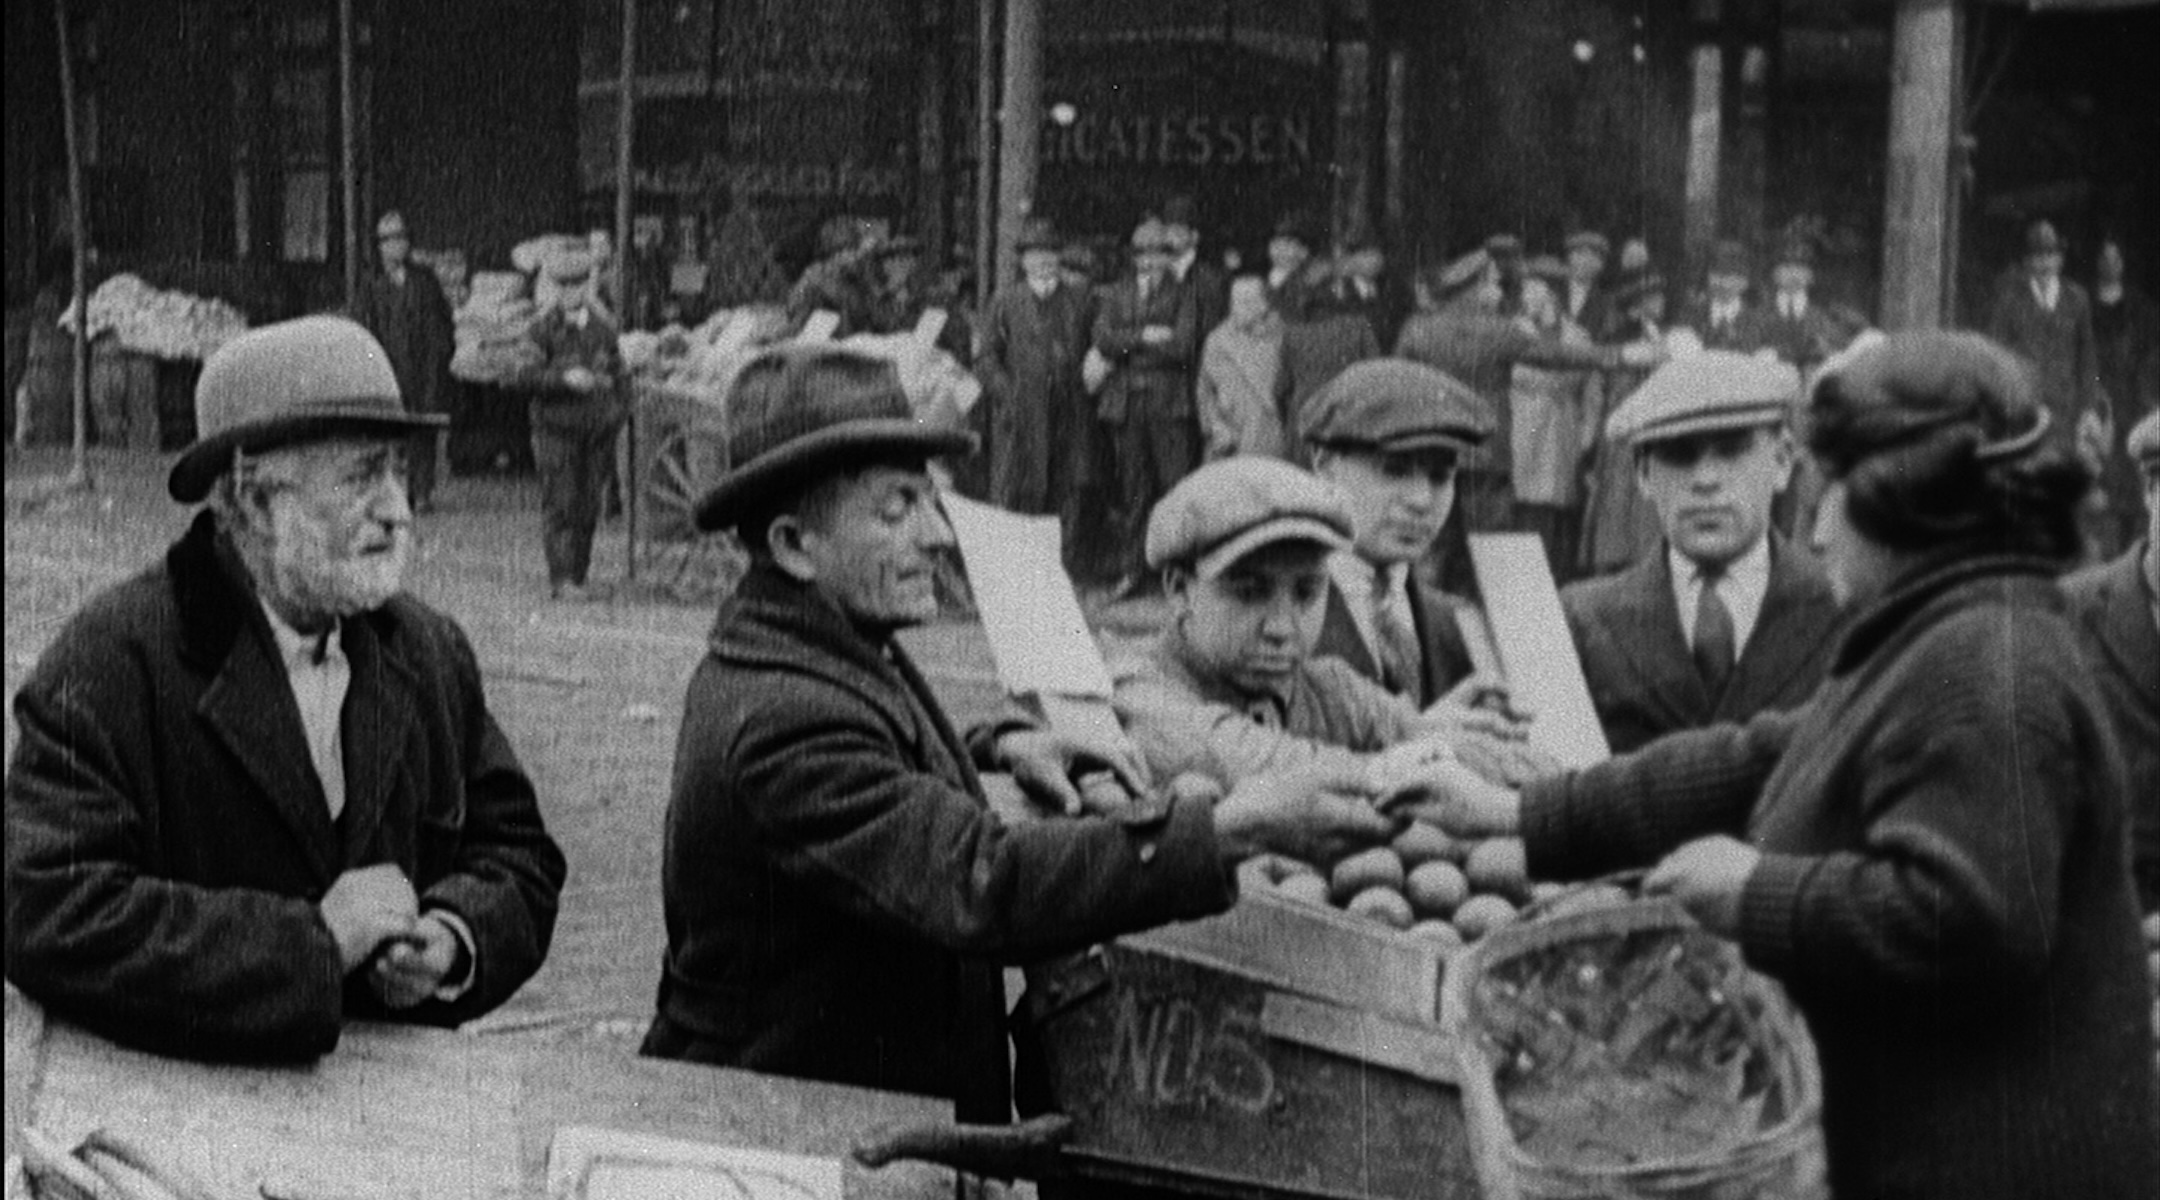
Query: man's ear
791	543
1785	453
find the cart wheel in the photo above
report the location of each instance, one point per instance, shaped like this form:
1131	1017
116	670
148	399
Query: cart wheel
692	565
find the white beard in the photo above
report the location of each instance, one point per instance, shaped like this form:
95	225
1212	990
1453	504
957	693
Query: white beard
307	577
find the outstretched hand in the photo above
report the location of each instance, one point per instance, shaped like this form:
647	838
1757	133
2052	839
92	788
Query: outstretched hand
1312	813
1462	803
1044	762
1707	877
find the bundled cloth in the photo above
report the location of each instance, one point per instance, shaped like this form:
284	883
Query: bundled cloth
163	324
492	329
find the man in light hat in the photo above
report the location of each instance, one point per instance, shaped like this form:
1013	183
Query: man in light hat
1728	619
1041	430
578	408
839	897
1147	333
1231	689
2048	319
403	305
2117	605
258	791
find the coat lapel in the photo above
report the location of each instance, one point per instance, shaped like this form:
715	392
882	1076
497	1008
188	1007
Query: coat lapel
1648	637
1786	636
1339	637
2125	631
377	720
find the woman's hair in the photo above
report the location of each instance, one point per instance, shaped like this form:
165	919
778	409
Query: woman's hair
1941	440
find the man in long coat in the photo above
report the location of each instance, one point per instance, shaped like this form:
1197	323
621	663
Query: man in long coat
839	896
1728	619
1033	339
258	791
404	307
1144	329
2048	319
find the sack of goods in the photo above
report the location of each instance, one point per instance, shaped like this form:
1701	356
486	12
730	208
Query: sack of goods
148	320
492	329
1618	1049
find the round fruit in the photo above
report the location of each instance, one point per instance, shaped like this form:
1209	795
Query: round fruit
1377	867
1306	889
1499	866
1423	842
1480	915
1436	888
1383	904
1440	933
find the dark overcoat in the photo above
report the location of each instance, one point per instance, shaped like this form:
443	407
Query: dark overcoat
1444	656
2060	343
838	896
2113	607
412	321
168	840
1039	419
1942	890
1635	657
1154	380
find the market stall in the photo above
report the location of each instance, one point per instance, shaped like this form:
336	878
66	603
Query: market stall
147	348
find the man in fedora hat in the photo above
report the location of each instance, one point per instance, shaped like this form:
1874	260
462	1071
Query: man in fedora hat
1721	316
1790	323
258	790
1729	619
402	304
1290	248
2117	604
1041	431
2048	319
1145	329
838	896
578	408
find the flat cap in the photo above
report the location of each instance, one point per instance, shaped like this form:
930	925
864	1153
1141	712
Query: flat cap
2041	238
1465	271
2145	440
1233	506
1705	392
1150	234
1396	404
569	265
1590	239
1504	247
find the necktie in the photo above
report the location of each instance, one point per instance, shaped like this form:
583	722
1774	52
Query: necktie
1713	632
1398	647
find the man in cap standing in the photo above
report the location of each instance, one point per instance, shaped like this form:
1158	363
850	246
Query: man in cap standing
1147	333
1721	317
1791	324
258	790
1033	338
2048	319
402	304
2117	604
578	408
1585	300
838	894
1730	619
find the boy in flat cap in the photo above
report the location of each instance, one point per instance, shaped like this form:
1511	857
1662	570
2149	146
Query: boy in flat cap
838	895
1230	689
258	790
1147	331
1388	434
578	408
2117	604
1728	619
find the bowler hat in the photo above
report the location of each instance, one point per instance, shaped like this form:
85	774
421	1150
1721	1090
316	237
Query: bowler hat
2042	238
2144	443
569	265
391	224
1150	235
1233	506
1037	233
1396	404
1705	393
1589	239
296	381
1505	248
800	406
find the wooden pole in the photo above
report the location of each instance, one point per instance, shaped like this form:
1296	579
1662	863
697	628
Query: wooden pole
986	149
631	479
1923	119
1020	118
348	151
78	475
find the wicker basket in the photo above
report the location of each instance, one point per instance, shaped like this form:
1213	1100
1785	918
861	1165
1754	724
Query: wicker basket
1619	995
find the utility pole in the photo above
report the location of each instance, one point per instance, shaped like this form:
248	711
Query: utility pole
625	128
78	476
1020	116
348	150
986	148
1924	102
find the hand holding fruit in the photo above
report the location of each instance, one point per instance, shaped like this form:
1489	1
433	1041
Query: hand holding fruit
1043	762
1707	877
1457	799
1314	814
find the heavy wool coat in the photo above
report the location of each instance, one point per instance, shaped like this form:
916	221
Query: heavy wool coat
1942	890
1444	660
168	840
2113	608
412	321
837	893
1148	378
1642	677
1038	415
2060	343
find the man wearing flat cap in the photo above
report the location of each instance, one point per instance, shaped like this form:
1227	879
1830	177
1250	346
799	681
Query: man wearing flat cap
403	305
2048	319
1148	333
1721	315
258	790
2117	605
578	408
1231	689
1585	299
1388	434
1727	618
838	896
1033	339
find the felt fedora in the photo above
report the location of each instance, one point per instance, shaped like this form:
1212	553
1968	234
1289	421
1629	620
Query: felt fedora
798	408
295	381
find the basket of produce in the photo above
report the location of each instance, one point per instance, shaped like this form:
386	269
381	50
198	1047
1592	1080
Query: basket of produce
1613	1048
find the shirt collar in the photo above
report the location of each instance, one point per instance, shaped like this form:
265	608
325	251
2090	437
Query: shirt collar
1749	572
1359	577
1042	291
303	651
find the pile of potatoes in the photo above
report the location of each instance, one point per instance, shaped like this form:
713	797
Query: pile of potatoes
1426	882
